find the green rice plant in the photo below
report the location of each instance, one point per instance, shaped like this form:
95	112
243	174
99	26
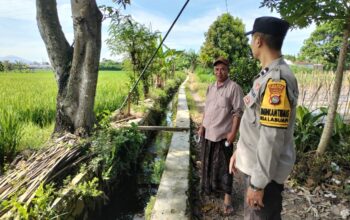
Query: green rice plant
32	98
34	136
10	135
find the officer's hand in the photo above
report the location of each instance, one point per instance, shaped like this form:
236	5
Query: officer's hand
232	167
230	137
255	198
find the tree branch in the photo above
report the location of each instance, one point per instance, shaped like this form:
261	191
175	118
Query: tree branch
58	48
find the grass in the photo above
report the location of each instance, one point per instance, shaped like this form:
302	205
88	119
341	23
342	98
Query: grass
201	80
149	208
31	99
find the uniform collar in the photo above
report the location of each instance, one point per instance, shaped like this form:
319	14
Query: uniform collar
270	67
276	62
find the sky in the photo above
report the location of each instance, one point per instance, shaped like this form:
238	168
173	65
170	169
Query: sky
19	34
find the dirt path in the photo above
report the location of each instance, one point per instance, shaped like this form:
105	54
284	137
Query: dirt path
298	202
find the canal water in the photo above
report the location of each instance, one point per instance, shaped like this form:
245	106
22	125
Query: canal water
133	195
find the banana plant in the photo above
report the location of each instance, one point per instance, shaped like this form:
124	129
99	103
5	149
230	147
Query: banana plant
166	63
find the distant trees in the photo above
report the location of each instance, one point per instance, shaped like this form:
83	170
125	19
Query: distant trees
107	64
290	57
6	66
189	60
323	46
226	38
1	67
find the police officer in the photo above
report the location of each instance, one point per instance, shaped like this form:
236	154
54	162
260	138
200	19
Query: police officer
265	150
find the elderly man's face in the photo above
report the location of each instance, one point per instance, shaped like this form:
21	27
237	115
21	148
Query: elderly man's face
221	72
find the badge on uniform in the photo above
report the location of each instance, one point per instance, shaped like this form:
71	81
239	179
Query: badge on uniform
275	89
275	107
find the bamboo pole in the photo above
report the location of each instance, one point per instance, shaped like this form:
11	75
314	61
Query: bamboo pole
158	128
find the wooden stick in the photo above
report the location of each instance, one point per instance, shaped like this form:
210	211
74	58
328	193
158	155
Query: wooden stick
125	119
158	128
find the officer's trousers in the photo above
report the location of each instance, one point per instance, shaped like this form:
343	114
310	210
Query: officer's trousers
272	202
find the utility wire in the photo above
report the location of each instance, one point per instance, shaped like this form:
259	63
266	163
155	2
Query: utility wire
154	54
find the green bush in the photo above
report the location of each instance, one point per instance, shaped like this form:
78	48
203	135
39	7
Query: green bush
205	75
38	209
117	151
308	129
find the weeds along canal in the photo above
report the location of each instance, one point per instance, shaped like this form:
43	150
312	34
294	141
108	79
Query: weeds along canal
134	196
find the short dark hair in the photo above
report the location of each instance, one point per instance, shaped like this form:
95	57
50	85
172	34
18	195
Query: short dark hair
272	41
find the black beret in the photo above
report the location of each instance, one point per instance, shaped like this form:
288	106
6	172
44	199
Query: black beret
270	25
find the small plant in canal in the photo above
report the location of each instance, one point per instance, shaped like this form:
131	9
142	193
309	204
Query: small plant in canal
158	168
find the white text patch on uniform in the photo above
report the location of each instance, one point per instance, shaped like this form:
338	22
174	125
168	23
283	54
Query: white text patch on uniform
275	107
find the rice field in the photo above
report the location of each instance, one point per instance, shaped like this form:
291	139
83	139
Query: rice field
29	100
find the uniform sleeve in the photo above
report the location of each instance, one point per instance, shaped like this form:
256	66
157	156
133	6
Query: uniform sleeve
237	101
268	153
274	119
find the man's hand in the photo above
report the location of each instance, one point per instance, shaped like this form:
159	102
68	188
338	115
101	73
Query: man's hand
201	131
230	137
255	198
232	167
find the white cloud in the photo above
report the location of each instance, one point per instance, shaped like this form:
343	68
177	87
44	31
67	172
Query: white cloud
187	33
19	10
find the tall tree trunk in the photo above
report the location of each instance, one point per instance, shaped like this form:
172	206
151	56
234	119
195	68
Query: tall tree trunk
328	129
76	68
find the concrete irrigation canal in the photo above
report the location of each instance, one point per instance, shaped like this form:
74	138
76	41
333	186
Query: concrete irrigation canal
169	197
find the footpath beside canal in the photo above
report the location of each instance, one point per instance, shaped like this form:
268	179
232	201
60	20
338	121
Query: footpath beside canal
171	199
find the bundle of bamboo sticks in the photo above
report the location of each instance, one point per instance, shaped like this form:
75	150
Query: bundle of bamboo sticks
41	167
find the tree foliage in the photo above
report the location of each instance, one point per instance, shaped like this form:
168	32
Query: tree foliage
226	38
137	42
188	60
164	64
323	46
301	13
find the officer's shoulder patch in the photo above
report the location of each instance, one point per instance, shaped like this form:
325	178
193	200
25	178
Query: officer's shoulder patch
275	107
